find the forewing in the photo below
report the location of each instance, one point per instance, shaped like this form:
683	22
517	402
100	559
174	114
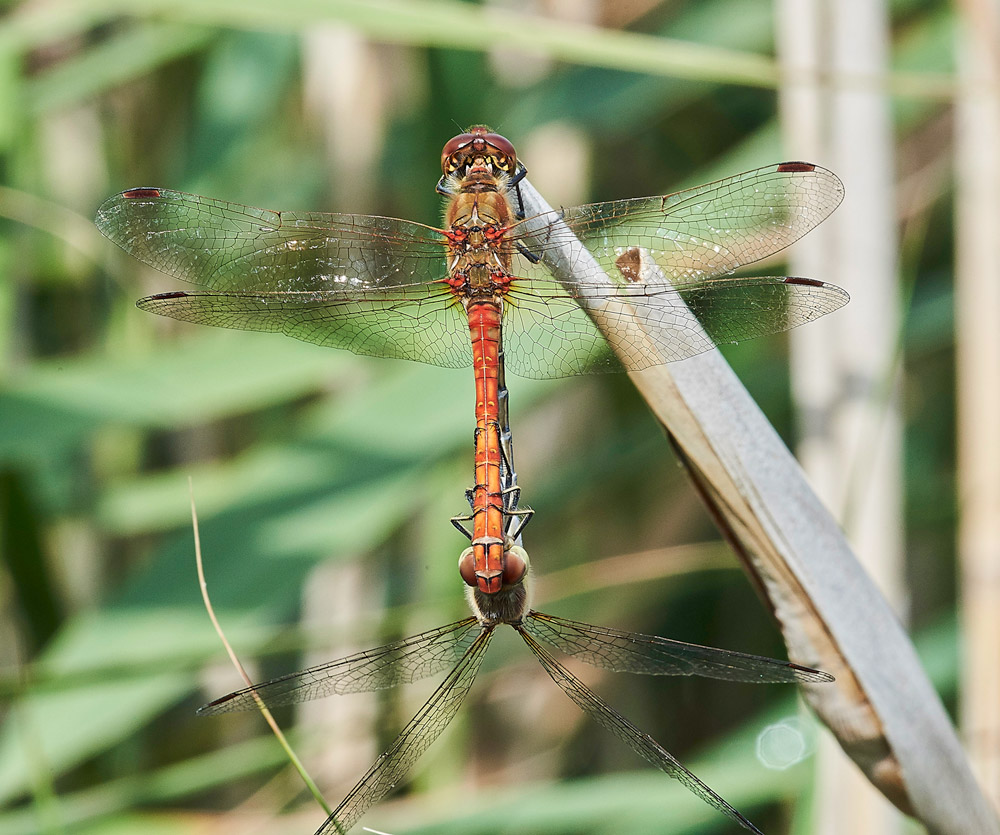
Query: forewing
631	652
707	231
390	768
422	322
400	662
642	743
231	247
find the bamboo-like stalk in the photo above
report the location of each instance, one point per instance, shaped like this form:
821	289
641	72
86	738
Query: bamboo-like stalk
344	95
831	614
977	308
843	365
345	91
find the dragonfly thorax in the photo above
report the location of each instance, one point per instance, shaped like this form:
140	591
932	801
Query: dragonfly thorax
485	208
479	253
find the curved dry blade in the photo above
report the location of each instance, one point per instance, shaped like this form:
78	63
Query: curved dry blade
413	740
402	661
642	743
632	652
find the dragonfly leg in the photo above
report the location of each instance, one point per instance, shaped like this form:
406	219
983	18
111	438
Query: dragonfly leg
527	253
515	183
511	496
441	188
521	517
508	477
510	512
459	523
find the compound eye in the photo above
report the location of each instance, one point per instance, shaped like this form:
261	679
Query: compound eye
457	142
515	566
448	161
467	566
501	143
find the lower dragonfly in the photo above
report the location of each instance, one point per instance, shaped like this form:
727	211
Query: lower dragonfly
462	645
459	647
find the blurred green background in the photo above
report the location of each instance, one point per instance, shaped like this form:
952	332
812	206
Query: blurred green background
325	481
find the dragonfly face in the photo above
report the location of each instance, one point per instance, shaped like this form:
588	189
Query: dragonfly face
478	148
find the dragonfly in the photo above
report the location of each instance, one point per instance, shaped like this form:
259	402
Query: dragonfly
460	647
478	291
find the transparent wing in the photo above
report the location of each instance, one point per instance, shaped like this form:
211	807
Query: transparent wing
369	284
423	322
547	334
703	232
631	652
642	743
390	768
400	662
373	284
231	247
694	239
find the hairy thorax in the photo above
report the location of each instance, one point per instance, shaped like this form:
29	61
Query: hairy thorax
477	220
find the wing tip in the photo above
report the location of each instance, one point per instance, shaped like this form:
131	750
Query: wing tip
796	167
810	675
113	206
821	285
141	193
149	302
216	705
802	167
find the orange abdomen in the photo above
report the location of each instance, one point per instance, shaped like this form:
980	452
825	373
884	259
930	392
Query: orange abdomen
487	505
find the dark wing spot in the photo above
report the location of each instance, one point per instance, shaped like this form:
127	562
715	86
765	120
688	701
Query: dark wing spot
808	282
140	193
797	167
216	702
176	294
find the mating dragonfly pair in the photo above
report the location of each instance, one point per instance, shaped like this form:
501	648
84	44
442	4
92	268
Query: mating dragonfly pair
478	291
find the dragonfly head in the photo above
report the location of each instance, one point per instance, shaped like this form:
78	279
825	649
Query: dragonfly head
478	148
513	569
512	602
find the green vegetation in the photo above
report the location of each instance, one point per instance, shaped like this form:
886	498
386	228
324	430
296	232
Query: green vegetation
324	481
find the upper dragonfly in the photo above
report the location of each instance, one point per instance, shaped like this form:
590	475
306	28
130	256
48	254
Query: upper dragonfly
394	288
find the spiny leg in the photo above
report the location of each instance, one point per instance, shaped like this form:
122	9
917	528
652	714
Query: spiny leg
510	495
